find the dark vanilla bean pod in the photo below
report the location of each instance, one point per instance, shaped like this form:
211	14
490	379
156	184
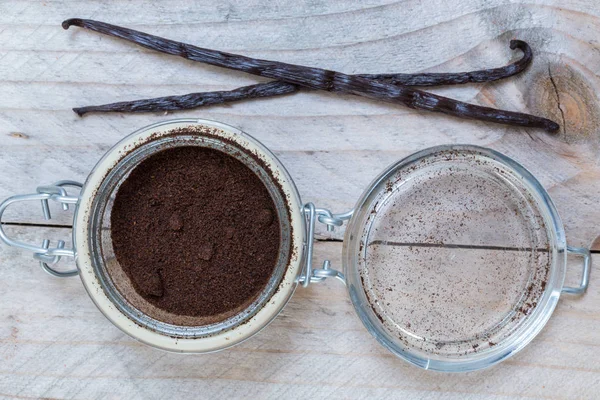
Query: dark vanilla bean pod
276	88
459	78
318	78
193	100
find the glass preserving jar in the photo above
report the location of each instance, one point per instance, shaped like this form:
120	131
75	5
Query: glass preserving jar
454	257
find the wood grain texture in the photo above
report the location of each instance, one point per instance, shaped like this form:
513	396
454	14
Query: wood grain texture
332	145
53	341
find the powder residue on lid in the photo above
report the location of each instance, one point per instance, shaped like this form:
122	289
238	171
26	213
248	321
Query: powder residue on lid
457	253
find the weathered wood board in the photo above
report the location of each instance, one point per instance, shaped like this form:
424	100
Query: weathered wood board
53	341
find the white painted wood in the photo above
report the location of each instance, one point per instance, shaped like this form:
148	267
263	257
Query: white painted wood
54	343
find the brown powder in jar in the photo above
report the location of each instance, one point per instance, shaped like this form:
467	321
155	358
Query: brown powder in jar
196	232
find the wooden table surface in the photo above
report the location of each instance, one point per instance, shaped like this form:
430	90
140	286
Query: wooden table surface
54	343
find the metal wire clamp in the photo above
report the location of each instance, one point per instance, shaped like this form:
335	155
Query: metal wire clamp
45	254
312	214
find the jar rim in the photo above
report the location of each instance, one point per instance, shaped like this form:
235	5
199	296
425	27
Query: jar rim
521	336
97	288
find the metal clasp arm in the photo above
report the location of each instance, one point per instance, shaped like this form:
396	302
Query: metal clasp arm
45	254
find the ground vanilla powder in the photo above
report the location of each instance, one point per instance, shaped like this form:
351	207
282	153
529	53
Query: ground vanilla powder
196	231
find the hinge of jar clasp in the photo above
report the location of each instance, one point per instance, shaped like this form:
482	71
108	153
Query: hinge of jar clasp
312	214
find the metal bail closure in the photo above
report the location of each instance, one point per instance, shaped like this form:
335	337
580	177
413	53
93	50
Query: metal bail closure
312	214
45	254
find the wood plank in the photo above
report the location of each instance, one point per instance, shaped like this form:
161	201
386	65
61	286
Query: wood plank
340	142
55	343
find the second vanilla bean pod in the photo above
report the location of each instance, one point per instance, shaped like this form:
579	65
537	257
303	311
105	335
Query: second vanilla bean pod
276	88
194	100
318	78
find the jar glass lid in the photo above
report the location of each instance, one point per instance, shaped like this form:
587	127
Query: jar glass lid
453	258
